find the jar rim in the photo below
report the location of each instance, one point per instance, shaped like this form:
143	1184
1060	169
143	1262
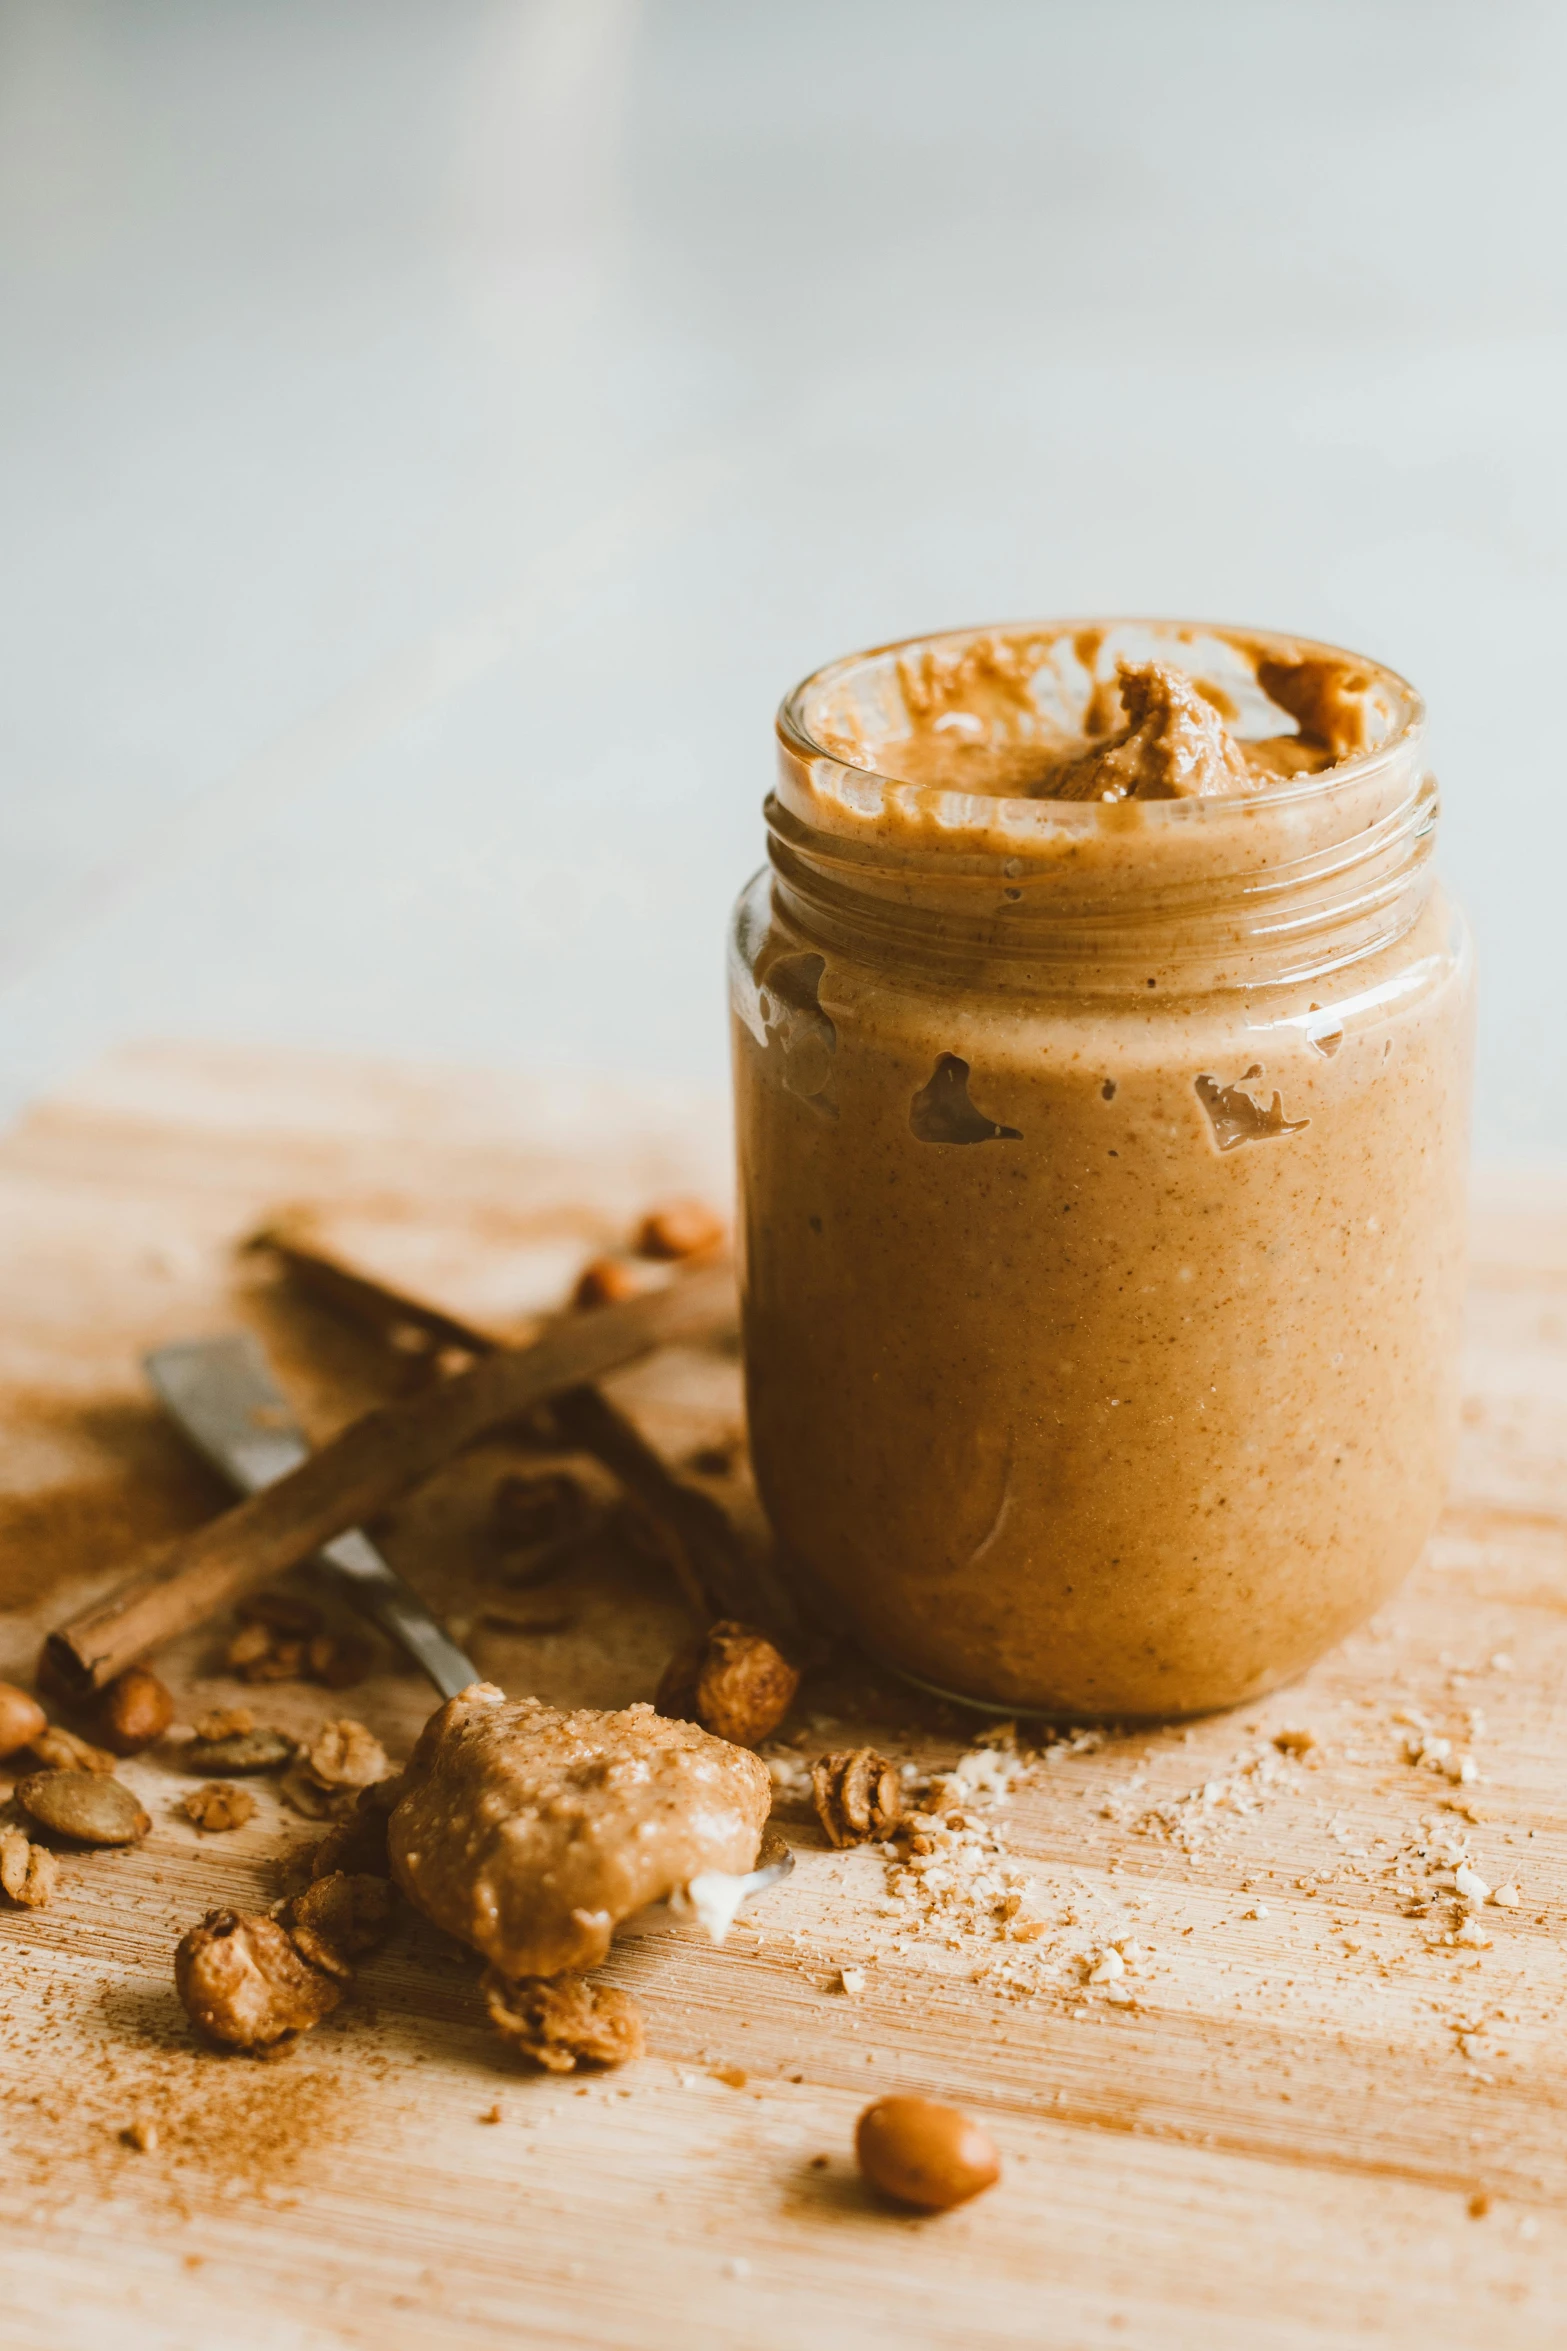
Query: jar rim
954	811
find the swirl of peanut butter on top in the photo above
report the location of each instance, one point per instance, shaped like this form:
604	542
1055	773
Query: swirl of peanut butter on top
1149	731
1173	746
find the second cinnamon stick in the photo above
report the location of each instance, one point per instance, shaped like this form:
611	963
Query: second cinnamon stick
368	1465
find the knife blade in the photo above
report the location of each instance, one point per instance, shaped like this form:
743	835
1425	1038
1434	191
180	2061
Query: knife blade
222	1394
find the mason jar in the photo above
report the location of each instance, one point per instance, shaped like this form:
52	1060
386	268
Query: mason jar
1101	1179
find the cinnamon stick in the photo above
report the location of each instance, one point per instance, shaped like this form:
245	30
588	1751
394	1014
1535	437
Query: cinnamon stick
368	1465
734	1570
737	1577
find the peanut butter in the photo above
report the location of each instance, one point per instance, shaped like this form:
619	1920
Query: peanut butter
1101	1053
532	1833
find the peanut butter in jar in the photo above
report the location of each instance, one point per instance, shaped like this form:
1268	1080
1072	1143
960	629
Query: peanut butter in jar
1102	1042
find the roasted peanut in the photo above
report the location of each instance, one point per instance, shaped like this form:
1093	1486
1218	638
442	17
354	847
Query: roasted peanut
606	1282
680	1228
136	1709
923	2154
735	1682
22	1719
243	1983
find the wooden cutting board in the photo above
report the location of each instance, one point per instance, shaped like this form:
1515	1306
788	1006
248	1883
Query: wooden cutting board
1303	2114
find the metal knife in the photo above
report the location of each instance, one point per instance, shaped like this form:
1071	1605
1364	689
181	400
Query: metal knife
222	1394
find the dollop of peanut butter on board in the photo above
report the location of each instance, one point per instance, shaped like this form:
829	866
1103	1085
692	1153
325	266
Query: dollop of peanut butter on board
531	1833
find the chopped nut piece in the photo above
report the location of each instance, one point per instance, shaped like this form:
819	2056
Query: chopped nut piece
142	2134
1507	1897
653	1539
280	1661
236	1751
243	1983
561	2022
225	1722
249	1647
497	1620
337	1660
303	1793
29	1873
1295	1742
78	1804
606	1282
853	1980
545	1506
281	1612
923	2154
713	1461
358	1842
218	1805
680	1228
136	1709
61	1750
282	1639
337	1919
343	1754
736	1683
857	1794
22	1719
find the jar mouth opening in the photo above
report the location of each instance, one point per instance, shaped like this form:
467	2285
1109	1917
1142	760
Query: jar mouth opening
841	722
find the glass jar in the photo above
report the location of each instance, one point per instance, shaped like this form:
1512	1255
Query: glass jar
1101	1175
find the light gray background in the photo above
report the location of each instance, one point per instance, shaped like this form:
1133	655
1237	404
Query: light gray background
432	435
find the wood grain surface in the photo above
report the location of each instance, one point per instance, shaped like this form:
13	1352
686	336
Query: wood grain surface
1307	2113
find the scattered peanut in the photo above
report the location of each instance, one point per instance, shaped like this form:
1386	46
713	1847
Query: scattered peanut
606	1282
243	1983
679	1228
736	1683
923	2154
135	1710
22	1719
337	1918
